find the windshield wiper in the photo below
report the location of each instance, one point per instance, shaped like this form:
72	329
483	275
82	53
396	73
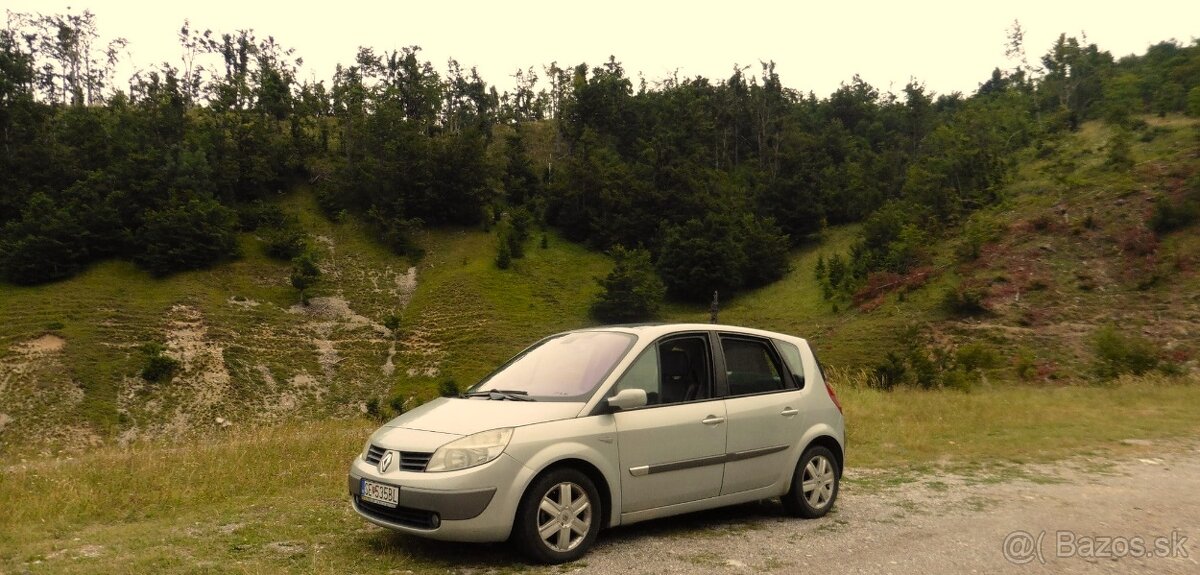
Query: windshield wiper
509	394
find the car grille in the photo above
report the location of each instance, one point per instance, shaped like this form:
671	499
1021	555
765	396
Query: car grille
400	515
414	460
374	454
409	460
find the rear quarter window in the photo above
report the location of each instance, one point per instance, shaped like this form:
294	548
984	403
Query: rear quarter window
791	356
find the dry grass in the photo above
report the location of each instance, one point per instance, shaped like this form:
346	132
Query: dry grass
909	426
272	500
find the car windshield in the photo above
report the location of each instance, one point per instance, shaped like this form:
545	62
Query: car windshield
565	367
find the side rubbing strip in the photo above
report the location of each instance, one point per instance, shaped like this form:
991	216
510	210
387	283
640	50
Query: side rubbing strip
643	470
752	453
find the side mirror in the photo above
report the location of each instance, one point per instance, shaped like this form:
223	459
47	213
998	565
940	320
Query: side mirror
799	378
628	399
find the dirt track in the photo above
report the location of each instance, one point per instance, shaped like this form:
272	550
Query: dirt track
942	524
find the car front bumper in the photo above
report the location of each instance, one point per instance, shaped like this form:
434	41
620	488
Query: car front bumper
476	504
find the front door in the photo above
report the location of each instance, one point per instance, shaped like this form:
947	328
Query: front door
672	450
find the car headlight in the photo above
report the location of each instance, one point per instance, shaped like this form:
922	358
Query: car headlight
470	451
366	449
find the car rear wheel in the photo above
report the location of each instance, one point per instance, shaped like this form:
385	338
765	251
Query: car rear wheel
814	484
559	517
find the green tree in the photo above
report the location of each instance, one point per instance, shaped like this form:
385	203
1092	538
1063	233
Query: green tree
700	256
47	243
632	292
765	249
504	255
1193	102
186	234
305	273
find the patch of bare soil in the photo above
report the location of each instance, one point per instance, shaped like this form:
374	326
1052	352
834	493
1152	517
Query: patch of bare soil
48	343
242	302
331	318
406	286
37	394
198	394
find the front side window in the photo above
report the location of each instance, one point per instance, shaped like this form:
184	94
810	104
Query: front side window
673	371
566	367
751	367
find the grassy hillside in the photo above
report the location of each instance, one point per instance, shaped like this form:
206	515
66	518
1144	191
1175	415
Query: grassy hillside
261	489
71	352
1073	251
1066	252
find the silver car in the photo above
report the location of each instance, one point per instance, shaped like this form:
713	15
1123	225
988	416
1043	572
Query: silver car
605	427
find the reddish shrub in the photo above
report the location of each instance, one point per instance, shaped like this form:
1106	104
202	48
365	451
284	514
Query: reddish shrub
1138	241
879	284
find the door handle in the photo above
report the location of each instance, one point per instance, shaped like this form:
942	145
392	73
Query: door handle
788	412
712	420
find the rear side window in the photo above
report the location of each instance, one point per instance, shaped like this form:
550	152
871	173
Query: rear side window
751	366
791	356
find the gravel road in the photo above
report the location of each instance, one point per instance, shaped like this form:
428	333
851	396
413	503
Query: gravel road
1086	513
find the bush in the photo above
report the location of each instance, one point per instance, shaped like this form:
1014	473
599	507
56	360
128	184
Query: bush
392	322
924	370
890	372
285	241
632	292
1193	101
374	411
977	232
305	273
158	366
959	379
258	214
503	255
186	235
1120	150
1119	353
399	404
976	356
397	233
449	388
1168	216
964	301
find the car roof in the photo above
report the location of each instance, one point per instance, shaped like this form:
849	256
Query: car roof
656	330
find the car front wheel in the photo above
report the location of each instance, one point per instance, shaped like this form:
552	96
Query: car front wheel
559	517
814	484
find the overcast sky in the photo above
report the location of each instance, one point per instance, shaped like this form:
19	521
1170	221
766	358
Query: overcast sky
949	46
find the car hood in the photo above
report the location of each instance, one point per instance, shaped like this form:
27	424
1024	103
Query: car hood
466	416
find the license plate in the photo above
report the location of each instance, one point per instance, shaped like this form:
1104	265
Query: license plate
388	495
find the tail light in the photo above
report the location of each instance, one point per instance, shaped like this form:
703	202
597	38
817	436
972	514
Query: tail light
833	396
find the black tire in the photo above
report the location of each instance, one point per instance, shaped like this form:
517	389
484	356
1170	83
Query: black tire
572	531
819	467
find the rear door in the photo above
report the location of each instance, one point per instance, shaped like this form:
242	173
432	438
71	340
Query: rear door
764	411
672	450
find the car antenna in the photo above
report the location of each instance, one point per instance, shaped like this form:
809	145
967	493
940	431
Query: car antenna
714	309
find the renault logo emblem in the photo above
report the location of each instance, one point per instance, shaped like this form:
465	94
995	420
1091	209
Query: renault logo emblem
385	462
